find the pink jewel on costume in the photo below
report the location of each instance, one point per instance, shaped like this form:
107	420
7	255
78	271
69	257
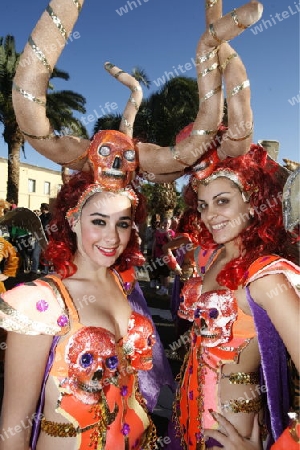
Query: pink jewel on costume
127	286
42	305
124	391
125	429
113	158
63	320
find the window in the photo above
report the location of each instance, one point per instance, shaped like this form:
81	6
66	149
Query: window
47	188
31	185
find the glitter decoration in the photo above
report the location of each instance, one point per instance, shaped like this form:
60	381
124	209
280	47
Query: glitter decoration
63	320
125	429
112	362
124	391
42	305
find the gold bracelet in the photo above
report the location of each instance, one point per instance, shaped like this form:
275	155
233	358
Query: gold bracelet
241	138
236	20
175	155
40	138
213	33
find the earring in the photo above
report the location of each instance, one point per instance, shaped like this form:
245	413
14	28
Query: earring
251	212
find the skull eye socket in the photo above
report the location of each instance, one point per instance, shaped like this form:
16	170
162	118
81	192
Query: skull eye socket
104	150
129	155
213	313
86	360
112	362
150	341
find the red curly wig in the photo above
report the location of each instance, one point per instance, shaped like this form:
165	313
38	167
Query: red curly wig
186	224
62	240
265	234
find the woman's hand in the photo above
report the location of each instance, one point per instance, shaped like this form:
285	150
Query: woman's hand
231	439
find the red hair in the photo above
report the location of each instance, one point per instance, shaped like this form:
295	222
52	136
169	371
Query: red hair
62	240
265	234
186	224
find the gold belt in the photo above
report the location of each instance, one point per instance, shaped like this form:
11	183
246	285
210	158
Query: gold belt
60	429
242	405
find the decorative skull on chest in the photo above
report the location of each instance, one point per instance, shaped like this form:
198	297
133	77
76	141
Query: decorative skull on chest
93	364
139	341
214	312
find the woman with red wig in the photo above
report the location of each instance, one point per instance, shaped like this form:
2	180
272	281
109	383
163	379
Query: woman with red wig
234	383
81	344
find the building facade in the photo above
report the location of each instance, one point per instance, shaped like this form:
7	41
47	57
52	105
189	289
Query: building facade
37	185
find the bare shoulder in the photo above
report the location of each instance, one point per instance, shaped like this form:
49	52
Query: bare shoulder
271	288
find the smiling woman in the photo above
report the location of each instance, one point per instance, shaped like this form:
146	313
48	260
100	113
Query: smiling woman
244	310
88	365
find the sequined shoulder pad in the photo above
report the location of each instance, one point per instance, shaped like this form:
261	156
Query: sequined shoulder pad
273	264
33	308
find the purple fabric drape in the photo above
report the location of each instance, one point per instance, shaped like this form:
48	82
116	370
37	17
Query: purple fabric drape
274	370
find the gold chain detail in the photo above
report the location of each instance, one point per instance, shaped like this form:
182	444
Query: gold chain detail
223	66
176	156
78	5
28	96
211	93
41	138
236	20
40	55
207	56
56	20
208	70
213	33
239	88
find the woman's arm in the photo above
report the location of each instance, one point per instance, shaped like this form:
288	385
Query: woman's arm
277	296
25	362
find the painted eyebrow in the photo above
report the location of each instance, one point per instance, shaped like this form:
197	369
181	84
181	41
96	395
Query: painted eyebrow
215	196
107	217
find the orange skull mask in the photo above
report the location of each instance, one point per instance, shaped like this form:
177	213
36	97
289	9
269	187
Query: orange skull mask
113	158
92	363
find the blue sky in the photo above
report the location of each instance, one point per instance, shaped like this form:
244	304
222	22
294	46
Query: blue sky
160	35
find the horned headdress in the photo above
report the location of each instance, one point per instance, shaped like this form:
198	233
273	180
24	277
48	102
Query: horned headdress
215	60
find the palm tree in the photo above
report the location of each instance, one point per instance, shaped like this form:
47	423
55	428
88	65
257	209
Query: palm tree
60	107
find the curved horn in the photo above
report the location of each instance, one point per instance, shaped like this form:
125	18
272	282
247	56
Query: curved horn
135	99
171	160
36	64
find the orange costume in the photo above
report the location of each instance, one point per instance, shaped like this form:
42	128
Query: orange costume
227	332
9	260
96	377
